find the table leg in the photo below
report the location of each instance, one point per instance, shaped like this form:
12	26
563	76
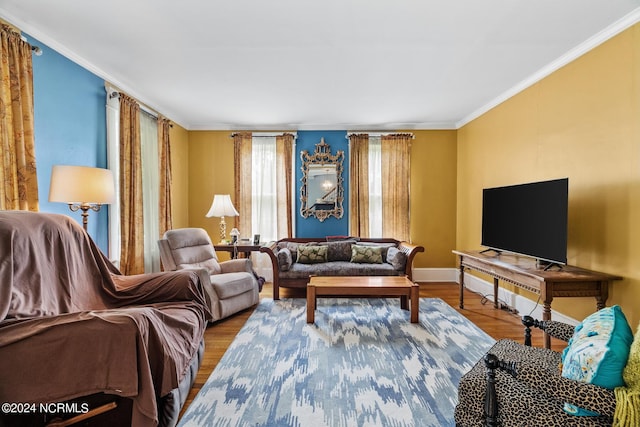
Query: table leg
311	303
546	315
461	284
601	299
415	302
495	292
404	303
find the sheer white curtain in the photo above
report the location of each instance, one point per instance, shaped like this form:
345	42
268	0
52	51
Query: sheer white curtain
151	185
113	156
263	187
375	186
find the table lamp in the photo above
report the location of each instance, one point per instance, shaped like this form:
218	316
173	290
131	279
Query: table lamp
82	188
221	207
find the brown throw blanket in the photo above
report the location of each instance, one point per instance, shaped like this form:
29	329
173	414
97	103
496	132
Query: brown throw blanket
72	325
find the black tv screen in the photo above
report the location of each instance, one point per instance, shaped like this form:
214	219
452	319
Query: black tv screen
527	219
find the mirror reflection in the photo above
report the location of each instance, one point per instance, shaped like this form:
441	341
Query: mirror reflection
321	193
322	182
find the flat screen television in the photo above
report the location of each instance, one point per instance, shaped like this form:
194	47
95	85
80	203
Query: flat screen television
528	219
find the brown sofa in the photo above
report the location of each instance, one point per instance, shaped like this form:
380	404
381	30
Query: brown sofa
288	272
75	331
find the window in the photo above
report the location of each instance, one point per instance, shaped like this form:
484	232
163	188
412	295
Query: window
264	209
264	190
375	186
379	178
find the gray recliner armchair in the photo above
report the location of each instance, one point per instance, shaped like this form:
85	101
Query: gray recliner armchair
232	286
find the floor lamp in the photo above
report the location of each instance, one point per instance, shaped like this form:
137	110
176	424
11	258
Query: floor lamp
82	188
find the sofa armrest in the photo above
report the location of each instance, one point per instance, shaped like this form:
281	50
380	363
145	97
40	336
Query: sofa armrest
411	251
237	266
555	329
189	284
271	249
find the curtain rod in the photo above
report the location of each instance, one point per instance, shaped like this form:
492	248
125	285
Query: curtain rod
379	134
266	134
143	108
35	49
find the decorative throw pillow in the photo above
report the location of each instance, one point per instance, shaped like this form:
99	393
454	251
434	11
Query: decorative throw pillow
284	259
340	251
293	248
597	352
396	258
366	254
312	254
384	247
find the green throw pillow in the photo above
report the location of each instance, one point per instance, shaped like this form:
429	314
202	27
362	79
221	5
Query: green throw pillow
366	254
598	351
310	254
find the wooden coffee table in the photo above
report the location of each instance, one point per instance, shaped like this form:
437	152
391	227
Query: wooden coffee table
357	286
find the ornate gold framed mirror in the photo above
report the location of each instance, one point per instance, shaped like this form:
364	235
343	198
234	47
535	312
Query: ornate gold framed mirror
321	193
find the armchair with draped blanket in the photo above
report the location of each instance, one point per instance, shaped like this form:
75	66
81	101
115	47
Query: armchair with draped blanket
72	328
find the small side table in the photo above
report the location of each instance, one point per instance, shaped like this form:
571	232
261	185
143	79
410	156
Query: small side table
236	250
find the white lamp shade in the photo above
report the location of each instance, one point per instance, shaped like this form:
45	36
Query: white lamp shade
81	184
222	206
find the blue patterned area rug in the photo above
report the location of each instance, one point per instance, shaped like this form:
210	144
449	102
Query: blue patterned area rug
361	364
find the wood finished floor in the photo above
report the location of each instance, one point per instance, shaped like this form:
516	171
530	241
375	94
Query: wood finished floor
497	323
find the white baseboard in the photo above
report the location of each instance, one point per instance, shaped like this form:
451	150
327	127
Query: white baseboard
435	274
522	304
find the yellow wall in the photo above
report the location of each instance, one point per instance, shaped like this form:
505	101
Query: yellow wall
433	196
210	173
582	122
180	178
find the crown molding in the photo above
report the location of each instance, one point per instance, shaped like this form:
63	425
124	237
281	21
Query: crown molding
45	39
594	41
590	44
393	127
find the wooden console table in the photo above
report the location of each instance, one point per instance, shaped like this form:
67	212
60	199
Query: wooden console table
523	272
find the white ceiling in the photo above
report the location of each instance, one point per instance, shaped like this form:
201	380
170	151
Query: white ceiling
331	64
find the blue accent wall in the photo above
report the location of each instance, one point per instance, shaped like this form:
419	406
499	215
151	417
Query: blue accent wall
70	128
312	227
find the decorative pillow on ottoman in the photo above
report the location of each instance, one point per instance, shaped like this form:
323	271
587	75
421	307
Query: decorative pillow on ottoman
366	254
598	351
